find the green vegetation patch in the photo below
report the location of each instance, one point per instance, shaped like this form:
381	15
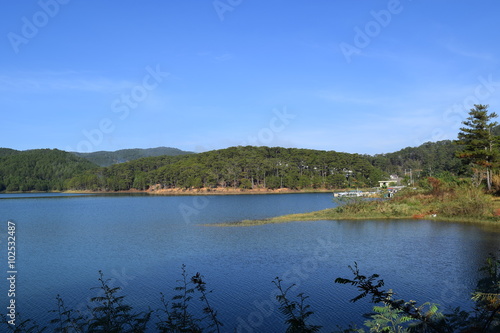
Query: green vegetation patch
39	169
460	202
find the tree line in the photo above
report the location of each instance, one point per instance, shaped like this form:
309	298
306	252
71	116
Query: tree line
474	154
427	160
236	167
39	169
107	158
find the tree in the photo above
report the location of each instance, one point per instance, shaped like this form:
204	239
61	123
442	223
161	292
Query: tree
479	143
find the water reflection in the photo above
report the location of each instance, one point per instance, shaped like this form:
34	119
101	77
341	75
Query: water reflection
145	240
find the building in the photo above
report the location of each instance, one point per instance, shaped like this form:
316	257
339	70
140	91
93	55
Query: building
393	181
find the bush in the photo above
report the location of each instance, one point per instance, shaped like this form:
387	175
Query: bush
467	201
110	313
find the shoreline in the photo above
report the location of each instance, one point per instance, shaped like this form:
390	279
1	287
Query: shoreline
189	192
326	215
329	214
232	191
416	208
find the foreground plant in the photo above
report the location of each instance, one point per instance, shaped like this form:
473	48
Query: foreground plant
397	315
108	311
179	318
111	314
296	312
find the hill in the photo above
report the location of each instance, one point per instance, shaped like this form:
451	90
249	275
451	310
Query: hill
428	159
107	158
39	169
7	152
236	167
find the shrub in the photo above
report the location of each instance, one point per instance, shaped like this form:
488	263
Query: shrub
467	201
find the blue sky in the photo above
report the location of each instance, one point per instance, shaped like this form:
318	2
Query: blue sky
353	76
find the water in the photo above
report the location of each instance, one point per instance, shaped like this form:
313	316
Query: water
141	241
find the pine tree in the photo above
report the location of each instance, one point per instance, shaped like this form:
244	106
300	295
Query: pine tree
479	143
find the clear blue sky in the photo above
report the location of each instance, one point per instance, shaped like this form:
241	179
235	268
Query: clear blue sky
353	76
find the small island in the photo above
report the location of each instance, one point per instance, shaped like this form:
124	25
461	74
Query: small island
448	198
436	199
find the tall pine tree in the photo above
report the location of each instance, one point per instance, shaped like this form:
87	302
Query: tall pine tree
479	143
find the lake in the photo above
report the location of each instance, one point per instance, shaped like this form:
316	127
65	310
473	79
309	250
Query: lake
141	241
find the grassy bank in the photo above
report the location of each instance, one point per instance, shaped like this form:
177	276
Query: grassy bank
443	202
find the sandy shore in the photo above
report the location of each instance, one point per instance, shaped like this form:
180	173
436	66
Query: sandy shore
228	191
210	191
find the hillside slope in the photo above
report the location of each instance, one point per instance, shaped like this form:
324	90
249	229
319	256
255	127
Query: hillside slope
107	158
39	169
428	159
236	167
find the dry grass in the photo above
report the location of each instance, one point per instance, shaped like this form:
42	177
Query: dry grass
459	203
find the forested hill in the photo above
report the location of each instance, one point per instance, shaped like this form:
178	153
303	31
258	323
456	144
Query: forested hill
236	167
428	159
7	151
107	158
39	169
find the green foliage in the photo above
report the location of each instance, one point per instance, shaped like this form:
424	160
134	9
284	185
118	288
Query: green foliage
110	313
235	167
388	319
295	312
352	205
7	151
107	158
487	295
467	201
405	316
67	320
137	174
179	318
426	315
455	200
480	145
210	313
428	159
39	169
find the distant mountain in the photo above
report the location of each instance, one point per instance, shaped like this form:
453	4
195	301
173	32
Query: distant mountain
39	169
107	158
235	167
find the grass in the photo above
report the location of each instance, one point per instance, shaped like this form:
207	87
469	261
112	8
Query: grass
454	203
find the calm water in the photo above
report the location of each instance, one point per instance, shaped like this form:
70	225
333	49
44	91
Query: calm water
141	241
